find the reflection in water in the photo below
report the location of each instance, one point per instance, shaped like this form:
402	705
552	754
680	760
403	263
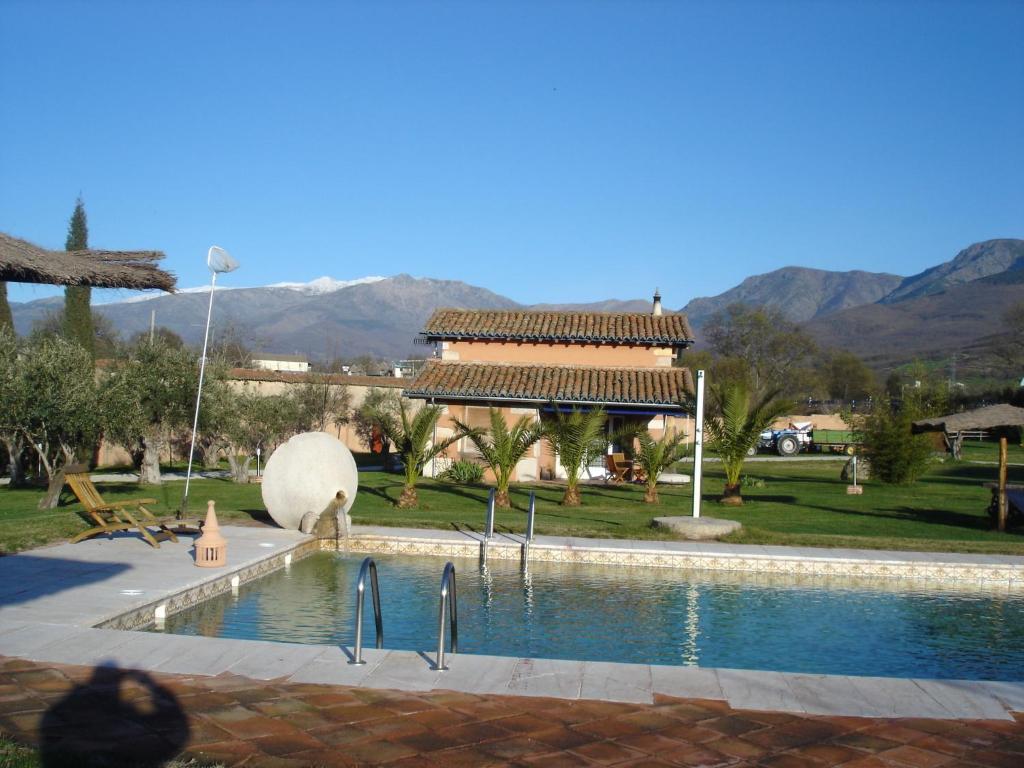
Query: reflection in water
655	615
691	645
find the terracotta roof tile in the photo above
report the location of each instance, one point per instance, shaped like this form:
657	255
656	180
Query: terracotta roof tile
602	327
560	383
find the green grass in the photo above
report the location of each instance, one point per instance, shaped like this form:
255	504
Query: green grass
801	503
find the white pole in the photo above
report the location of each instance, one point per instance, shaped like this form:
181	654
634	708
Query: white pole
698	443
199	394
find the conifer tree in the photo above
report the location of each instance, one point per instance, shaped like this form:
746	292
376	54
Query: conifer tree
78	326
6	319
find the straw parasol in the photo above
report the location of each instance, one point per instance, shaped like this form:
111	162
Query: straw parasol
24	262
999	417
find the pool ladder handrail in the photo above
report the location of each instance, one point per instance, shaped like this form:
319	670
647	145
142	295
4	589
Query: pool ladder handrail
448	599
368	567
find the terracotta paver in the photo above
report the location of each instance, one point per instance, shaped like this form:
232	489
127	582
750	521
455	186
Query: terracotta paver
128	717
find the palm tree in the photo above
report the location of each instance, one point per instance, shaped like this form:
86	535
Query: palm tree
502	448
412	440
735	425
654	456
573	437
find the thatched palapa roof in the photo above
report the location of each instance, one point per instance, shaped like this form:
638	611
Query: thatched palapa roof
24	262
989	417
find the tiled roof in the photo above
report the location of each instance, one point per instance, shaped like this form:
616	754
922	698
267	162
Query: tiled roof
600	327
559	383
296	377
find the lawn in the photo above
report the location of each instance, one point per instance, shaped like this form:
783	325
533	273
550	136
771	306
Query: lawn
800	503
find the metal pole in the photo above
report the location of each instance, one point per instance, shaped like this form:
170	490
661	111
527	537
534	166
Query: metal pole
698	443
448	600
199	395
530	516
368	567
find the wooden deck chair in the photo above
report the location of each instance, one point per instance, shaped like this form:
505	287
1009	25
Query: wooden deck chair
118	516
617	467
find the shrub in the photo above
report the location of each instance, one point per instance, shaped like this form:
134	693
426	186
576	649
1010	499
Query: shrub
896	456
463	471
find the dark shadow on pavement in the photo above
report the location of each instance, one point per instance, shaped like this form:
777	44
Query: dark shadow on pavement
28	577
118	717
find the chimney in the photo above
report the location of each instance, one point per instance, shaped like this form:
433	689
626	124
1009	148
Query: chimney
656	310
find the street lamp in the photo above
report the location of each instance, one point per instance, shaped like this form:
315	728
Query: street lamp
218	261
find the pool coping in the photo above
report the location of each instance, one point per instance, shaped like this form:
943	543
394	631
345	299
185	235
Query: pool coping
73	623
941	567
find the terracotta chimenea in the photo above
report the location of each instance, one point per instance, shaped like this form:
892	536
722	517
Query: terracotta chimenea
211	549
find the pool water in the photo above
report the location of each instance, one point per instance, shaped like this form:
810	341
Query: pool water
652	616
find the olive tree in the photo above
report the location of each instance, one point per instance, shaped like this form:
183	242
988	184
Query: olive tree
68	408
320	404
162	380
15	397
254	421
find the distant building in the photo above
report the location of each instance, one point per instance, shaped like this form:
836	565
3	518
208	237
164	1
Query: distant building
531	362
268	361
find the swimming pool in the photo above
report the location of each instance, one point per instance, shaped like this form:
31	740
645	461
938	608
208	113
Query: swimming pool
636	615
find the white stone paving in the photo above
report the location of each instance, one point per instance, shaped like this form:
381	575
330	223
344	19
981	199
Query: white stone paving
52	599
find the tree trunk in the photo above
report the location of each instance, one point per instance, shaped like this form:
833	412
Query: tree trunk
15	471
572	497
502	500
651	495
409	498
149	472
6	318
53	489
731	495
239	467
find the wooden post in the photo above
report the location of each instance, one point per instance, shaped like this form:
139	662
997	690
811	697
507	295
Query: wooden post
1002	483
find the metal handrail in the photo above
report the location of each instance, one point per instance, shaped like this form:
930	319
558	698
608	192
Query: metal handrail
368	567
447	588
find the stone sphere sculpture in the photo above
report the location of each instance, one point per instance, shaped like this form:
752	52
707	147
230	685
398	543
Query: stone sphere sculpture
306	475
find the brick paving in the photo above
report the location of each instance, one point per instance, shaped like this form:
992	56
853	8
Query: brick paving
143	719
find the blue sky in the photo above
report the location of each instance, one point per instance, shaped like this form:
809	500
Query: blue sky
556	151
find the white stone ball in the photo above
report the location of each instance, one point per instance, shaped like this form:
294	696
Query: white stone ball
305	474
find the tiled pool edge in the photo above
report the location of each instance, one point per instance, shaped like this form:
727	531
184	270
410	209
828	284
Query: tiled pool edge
935	567
142	616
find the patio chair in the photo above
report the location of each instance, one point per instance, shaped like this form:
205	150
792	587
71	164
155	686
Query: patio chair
117	516
617	467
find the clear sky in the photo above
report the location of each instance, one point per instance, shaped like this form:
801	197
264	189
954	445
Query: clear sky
550	151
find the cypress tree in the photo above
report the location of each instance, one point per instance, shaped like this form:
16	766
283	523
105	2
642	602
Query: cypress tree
6	319
78	325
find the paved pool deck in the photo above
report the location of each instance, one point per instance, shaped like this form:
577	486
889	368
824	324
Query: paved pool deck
58	604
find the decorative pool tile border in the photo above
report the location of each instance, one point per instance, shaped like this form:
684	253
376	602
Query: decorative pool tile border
143	616
995	574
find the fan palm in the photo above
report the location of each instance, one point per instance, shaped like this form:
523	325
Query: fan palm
502	447
735	425
573	437
653	457
411	437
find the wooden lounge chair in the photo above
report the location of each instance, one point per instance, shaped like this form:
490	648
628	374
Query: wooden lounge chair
617	466
118	516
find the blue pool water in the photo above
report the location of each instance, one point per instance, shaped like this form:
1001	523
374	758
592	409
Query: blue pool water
653	616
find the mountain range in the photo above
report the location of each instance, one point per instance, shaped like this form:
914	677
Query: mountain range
955	306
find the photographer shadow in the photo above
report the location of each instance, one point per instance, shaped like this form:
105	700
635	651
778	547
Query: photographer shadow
118	717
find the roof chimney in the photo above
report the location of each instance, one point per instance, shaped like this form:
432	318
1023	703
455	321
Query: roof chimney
656	310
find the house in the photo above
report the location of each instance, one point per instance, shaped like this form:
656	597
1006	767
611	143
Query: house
269	361
531	362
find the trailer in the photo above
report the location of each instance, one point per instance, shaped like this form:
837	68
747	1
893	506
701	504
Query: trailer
835	440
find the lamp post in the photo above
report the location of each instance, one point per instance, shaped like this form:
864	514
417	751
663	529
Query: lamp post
218	261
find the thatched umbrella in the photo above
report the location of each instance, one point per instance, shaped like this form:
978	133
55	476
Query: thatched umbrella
24	262
999	417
